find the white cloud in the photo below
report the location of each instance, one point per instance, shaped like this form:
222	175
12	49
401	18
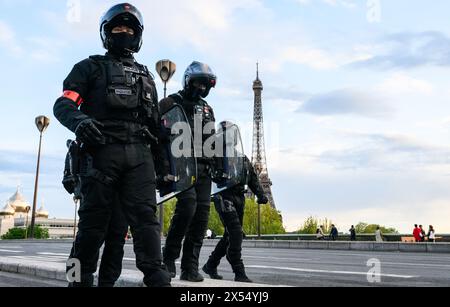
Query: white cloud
345	3
8	39
347	101
401	83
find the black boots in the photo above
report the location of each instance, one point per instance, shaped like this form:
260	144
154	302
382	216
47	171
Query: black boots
192	276
240	275
160	278
212	272
171	268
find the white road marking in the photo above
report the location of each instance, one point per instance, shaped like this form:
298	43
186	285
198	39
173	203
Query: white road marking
277	258
10	251
41	258
417	264
54	254
327	272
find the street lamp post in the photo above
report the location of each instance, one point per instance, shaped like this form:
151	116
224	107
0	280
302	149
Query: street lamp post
165	69
42	123
27	209
259	221
76	201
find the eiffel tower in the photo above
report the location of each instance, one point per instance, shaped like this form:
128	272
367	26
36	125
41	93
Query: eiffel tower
259	151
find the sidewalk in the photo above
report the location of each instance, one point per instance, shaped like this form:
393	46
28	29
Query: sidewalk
129	278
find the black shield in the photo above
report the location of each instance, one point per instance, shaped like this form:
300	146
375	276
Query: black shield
231	159
183	166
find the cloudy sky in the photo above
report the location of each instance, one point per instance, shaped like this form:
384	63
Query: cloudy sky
356	99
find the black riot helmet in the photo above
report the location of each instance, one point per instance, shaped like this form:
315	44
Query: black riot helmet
198	80
123	14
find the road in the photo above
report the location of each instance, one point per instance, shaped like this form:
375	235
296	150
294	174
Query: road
290	267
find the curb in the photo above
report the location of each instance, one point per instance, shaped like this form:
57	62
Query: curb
128	279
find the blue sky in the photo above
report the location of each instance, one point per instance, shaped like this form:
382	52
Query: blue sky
356	99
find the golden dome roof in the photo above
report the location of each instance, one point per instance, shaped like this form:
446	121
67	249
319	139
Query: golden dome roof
42	212
8	210
18	202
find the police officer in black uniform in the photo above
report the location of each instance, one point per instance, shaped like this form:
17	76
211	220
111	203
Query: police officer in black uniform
110	103
190	220
113	251
230	205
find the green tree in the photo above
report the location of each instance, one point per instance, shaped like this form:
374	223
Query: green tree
39	232
169	210
19	233
271	219
215	224
361	227
371	228
310	226
312	223
14	234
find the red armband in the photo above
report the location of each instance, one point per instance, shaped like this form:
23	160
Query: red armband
74	96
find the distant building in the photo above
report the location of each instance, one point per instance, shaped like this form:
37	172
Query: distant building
17	213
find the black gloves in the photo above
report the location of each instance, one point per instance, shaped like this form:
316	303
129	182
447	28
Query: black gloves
220	178
88	132
165	184
263	200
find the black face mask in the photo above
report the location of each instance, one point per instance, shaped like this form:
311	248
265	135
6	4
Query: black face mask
122	43
195	93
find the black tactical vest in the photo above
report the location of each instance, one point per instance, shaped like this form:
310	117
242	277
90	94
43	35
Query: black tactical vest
202	109
124	90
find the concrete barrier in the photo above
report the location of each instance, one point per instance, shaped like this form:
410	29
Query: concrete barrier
339	245
298	245
438	247
362	246
317	245
386	247
321	245
413	248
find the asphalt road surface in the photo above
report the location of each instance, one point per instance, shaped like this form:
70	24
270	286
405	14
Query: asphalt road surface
290	267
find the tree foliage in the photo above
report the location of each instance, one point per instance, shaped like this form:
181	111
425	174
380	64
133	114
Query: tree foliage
271	220
371	228
20	233
312	223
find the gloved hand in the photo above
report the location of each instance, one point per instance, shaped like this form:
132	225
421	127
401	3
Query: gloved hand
88	132
164	184
219	177
263	200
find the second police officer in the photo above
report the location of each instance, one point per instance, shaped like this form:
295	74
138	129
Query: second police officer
230	205
110	102
190	220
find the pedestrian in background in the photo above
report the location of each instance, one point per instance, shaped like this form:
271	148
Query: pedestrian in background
319	233
334	233
378	235
352	233
422	234
416	233
431	234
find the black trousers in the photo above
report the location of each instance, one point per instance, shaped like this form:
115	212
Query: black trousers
231	212
190	221
113	251
126	172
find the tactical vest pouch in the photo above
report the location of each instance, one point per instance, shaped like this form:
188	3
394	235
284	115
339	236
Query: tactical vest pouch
147	91
147	96
122	88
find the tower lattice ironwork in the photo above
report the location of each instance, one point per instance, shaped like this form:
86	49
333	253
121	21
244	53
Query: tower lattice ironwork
259	151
